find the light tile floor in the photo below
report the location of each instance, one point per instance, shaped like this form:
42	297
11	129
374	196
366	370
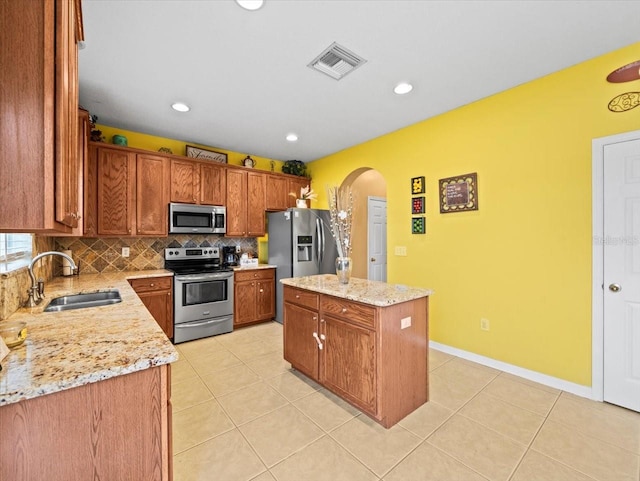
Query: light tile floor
241	413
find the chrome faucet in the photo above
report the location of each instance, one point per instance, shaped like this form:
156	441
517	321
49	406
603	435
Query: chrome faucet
36	292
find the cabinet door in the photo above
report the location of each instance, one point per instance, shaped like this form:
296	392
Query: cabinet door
160	306
213	184
244	302
300	346
152	195
277	193
185	181
256	185
67	208
266	301
294	187
347	363
236	203
116	191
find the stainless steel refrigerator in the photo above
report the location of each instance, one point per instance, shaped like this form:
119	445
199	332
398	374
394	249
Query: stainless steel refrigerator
300	244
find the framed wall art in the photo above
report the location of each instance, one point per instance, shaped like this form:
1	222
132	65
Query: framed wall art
417	185
417	205
459	193
204	154
418	225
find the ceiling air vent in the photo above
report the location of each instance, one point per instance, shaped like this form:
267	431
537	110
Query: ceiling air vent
336	61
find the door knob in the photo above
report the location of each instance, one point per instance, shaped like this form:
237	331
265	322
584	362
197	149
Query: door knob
615	287
373	259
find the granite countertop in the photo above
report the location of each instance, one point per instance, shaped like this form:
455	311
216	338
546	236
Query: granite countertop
71	348
375	293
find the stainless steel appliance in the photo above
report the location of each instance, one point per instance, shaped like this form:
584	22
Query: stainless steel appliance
300	244
202	293
200	219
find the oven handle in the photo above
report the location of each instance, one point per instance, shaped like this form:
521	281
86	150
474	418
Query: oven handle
204	277
197	324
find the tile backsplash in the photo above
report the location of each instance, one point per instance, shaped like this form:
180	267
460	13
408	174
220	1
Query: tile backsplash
105	254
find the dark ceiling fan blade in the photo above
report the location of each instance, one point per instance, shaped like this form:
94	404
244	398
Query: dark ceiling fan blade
625	74
624	102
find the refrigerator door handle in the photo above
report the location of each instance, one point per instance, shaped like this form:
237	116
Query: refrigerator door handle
323	239
319	245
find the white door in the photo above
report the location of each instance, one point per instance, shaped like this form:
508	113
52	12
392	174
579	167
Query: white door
377	239
621	243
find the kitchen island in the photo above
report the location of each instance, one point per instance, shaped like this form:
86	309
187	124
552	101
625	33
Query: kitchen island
366	341
87	395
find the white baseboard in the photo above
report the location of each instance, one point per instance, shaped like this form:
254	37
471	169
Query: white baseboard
554	382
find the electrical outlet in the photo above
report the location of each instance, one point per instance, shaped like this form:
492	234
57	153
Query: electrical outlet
401	251
484	324
125	252
405	322
238	249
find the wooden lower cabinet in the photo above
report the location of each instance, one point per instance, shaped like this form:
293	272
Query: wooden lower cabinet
254	296
359	351
119	428
156	293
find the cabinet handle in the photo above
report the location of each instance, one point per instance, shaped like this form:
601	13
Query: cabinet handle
261	290
168	293
152	284
323	337
322	320
344	309
297	296
315	318
315	335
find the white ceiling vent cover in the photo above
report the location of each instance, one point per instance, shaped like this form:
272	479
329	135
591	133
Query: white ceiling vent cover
336	61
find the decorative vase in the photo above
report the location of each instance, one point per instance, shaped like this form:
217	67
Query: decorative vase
343	269
301	203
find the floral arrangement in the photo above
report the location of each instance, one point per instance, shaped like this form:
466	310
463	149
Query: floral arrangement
306	193
341	216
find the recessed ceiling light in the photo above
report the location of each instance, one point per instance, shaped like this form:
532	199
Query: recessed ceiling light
292	137
250	4
403	88
180	107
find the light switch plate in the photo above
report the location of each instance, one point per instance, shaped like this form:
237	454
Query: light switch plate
405	322
125	252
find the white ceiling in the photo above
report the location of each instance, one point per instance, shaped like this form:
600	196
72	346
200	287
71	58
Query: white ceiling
245	74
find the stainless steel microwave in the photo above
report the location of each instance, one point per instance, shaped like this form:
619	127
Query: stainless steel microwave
199	219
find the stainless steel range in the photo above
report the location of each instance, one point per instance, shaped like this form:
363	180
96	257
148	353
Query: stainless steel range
203	293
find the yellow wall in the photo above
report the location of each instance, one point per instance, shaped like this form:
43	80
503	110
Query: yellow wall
153	143
523	260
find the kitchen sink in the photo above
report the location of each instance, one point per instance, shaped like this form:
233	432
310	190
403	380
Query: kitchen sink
81	301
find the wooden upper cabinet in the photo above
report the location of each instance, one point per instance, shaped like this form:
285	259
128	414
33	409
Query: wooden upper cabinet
236	203
194	182
277	193
185	179
39	156
116	174
256	187
152	195
295	184
213	184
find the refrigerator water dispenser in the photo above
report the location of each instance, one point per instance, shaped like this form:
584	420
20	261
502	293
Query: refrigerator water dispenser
305	246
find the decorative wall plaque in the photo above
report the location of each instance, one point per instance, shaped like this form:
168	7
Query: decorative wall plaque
417	185
459	193
418	225
417	205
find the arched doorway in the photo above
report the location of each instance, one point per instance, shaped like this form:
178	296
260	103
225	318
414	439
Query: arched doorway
365	183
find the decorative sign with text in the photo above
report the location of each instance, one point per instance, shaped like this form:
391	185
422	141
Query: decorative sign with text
458	194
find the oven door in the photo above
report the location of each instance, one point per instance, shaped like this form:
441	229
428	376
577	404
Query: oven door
203	296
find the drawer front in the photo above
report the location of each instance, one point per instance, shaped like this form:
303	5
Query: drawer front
151	284
301	297
255	275
349	310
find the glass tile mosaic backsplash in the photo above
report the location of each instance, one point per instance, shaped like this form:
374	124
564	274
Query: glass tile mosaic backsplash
105	254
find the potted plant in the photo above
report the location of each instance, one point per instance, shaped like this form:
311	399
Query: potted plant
295	167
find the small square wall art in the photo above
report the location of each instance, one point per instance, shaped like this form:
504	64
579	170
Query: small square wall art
418	225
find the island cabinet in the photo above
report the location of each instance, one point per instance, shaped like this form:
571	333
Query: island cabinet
245	203
156	293
194	182
119	428
374	357
254	296
39	78
131	193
